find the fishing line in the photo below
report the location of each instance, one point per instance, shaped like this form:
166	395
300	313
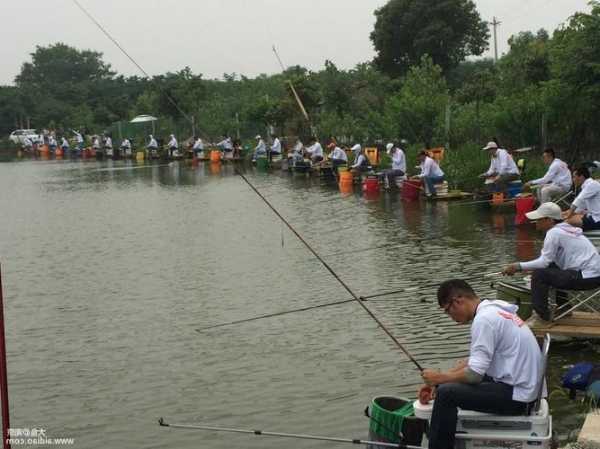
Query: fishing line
333	273
141	69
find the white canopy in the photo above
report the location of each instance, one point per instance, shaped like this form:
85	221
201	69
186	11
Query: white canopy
143	118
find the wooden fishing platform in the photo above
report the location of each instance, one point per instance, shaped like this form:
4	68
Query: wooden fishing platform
579	325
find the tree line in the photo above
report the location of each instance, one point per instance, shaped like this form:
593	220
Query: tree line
421	87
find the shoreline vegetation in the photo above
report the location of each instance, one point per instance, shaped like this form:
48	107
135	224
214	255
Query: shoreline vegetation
544	92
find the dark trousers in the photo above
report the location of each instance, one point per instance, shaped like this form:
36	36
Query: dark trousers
486	397
543	279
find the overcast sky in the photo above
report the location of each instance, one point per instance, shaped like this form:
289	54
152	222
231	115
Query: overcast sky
224	36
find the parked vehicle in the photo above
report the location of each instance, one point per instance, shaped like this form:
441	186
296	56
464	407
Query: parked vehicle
18	136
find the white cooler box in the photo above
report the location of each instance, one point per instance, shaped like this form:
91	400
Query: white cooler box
482	431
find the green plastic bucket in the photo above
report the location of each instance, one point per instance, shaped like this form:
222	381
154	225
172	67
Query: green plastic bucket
262	163
391	418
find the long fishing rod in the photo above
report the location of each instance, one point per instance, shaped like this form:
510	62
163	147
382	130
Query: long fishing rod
358	441
296	96
140	68
422	287
272	315
333	273
330	304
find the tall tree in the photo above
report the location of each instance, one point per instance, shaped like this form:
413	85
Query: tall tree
446	30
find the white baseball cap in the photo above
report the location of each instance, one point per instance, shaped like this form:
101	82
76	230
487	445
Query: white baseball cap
491	146
258	137
389	146
546	210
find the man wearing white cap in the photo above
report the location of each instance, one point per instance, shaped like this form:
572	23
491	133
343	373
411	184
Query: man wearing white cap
173	146
568	261
398	165
502	169
556	182
261	148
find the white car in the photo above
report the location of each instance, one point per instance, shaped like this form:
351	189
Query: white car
18	136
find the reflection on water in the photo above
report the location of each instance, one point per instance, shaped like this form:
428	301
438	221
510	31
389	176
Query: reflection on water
109	269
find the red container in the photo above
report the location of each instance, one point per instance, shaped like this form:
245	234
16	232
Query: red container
371	185
411	190
523	204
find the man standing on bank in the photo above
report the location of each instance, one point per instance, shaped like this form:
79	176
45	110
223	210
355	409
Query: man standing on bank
502	372
569	261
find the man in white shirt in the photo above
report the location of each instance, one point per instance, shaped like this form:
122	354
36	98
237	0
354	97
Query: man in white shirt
585	210
261	149
503	169
502	374
315	150
79	140
108	146
398	165
198	148
64	144
431	173
556	182
568	261
173	146
361	162
226	144
152	145
276	147
338	157
126	147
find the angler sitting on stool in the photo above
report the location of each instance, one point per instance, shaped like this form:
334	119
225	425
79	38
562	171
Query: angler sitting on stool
431	173
338	158
361	163
569	261
503	169
585	210
502	371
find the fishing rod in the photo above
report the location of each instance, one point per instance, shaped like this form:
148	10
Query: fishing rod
272	315
422	287
333	273
358	441
296	96
330	304
140	68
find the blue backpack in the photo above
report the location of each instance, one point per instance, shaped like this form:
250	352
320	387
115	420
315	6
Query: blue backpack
583	376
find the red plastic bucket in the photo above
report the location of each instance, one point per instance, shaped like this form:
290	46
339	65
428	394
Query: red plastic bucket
371	185
411	190
523	204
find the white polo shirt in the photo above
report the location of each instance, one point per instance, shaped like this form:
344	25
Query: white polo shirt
502	164
429	167
569	249
588	200
504	348
338	154
558	174
398	159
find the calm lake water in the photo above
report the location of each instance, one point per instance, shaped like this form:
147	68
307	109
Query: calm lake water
110	268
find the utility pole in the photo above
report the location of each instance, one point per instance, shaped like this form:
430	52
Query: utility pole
495	24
